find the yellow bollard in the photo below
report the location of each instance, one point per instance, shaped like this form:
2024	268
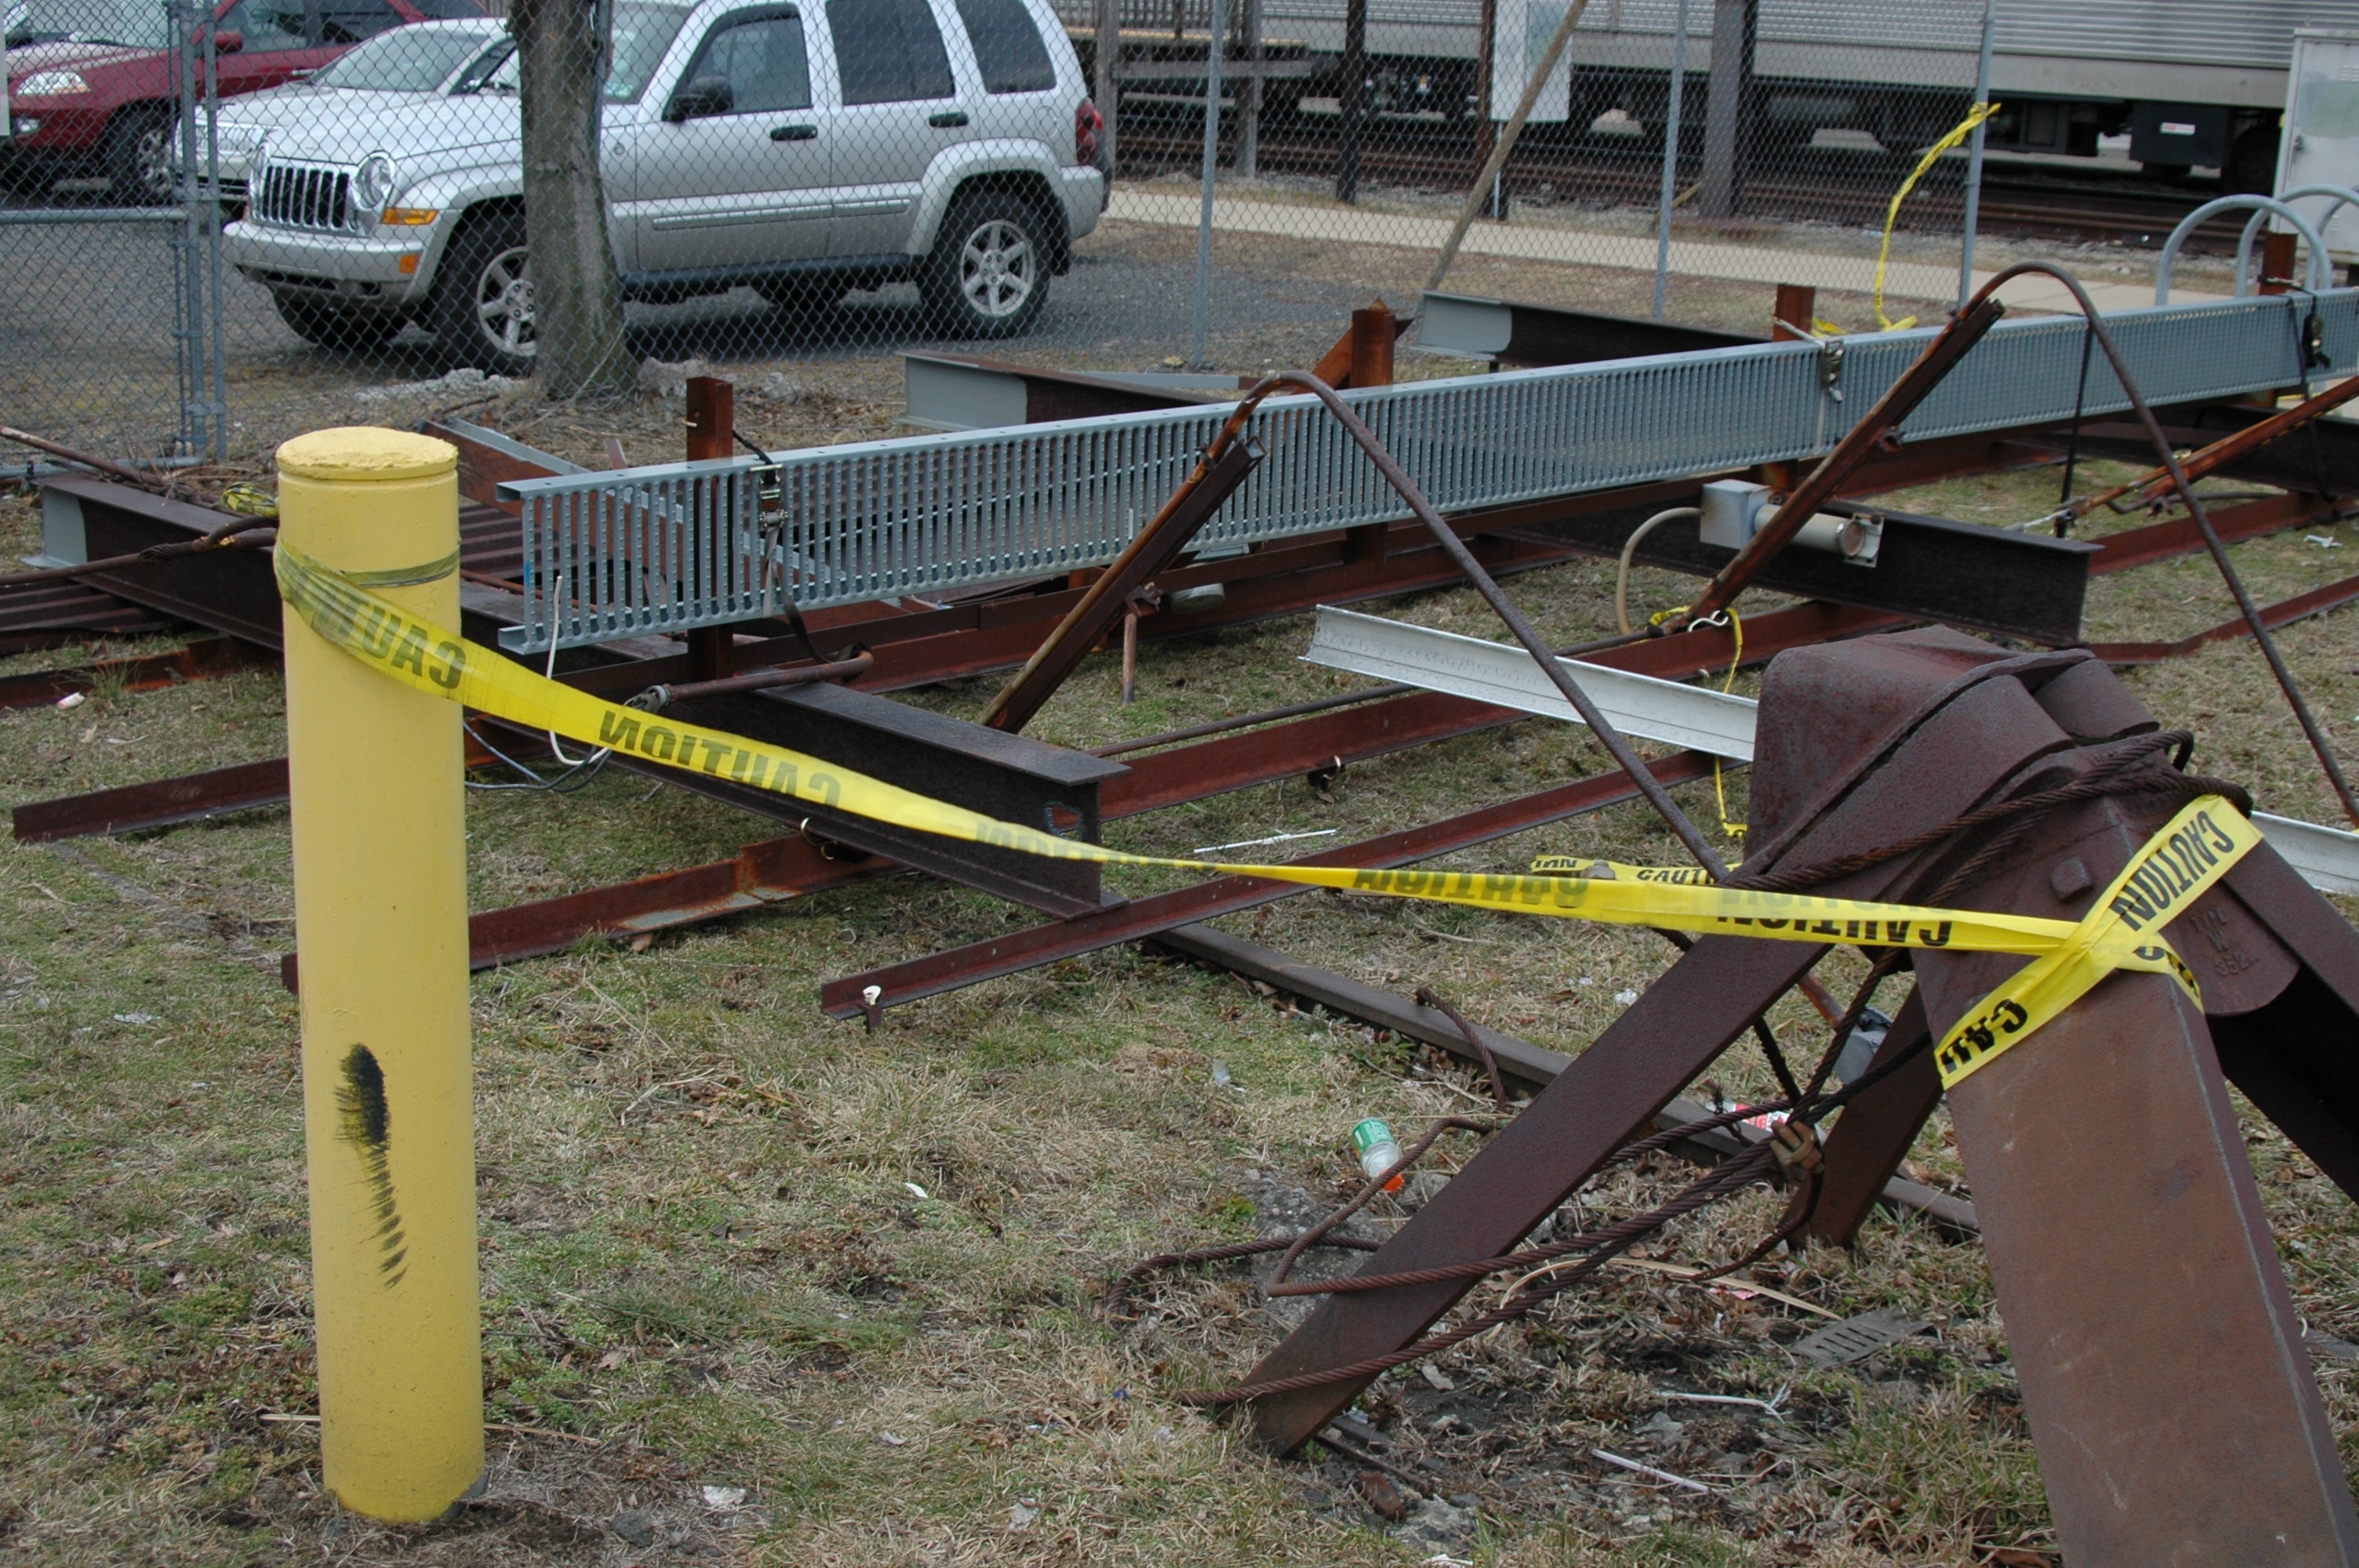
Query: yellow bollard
381	914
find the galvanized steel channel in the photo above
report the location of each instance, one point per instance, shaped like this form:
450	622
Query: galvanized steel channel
675	545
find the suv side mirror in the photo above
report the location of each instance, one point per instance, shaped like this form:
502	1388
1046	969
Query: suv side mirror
228	43
704	96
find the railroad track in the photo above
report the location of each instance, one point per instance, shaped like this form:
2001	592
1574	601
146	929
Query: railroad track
2015	202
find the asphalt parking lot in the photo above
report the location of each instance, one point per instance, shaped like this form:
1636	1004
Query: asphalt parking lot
88	350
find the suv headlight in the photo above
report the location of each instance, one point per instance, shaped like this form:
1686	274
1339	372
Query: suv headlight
373	183
53	84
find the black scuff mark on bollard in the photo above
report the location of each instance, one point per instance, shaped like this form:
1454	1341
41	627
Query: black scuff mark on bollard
367	1127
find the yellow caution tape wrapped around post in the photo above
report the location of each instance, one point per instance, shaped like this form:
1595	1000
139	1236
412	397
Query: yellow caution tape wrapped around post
2190	852
434	659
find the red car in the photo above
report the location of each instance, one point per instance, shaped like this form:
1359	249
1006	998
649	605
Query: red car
91	83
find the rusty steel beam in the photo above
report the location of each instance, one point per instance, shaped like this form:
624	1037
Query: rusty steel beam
36	613
2285	613
949	969
769	872
201	660
1173	527
192	798
2179	535
2156	1347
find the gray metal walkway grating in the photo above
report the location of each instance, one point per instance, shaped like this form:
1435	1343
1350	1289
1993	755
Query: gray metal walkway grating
670	547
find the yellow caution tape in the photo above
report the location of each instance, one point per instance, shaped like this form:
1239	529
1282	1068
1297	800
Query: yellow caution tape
2190	852
1957	134
434	659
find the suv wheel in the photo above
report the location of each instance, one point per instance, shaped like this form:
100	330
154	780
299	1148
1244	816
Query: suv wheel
137	153
483	302
988	274
332	327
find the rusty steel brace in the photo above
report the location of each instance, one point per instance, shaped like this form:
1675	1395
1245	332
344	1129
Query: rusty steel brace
1485	584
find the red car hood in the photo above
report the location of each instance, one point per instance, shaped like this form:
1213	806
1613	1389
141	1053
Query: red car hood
28	58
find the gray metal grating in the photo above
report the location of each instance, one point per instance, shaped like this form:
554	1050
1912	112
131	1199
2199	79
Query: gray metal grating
664	548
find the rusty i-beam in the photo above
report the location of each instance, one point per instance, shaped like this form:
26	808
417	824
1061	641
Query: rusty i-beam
2168	1392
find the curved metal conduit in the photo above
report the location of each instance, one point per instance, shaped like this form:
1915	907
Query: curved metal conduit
2318	267
2337	196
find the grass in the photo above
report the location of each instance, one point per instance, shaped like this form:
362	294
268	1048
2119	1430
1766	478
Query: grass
707	1261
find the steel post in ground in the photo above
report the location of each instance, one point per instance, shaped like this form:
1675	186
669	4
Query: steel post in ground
711	424
1219	25
1353	103
379	821
1974	158
1667	195
1732	27
1106	62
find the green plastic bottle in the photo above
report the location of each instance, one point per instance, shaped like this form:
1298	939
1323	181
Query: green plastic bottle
1378	1154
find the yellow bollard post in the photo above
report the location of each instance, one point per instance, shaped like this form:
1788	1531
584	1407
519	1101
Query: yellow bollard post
381	914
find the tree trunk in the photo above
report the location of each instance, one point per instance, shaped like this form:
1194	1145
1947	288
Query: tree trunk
577	301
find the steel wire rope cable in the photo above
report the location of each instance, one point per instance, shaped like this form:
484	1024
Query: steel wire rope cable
244	532
1394	475
2195	511
2130	769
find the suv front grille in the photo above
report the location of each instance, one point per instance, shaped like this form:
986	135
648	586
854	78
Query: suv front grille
299	196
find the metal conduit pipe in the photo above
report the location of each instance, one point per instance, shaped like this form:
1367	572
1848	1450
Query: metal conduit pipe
2337	196
2318	270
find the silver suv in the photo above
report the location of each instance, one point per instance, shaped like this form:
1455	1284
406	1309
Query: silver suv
803	148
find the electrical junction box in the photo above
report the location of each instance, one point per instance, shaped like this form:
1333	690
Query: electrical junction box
2320	142
1733	510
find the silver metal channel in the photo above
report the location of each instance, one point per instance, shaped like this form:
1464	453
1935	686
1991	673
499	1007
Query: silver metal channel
1701	720
1507	677
2327	857
625	552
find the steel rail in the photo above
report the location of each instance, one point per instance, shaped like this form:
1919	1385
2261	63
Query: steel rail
952	967
2155	482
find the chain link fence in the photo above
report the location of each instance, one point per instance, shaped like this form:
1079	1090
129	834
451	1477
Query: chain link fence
225	222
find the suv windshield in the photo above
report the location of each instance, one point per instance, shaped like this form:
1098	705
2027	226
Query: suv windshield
642	34
131	22
407	59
